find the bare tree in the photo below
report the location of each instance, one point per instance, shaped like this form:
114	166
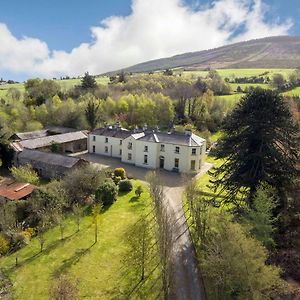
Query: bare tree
64	288
95	213
164	231
78	214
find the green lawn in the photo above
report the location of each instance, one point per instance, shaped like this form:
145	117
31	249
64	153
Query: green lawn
294	92
232	99
98	267
231	73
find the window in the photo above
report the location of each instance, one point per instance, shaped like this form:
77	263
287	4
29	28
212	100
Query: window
129	156
94	138
177	149
106	140
176	163
120	152
106	149
194	151
193	165
121	142
162	148
94	148
146	149
145	159
129	145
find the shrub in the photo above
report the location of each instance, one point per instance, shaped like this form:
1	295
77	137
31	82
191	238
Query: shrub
120	172
139	191
25	174
107	192
125	185
116	179
4	245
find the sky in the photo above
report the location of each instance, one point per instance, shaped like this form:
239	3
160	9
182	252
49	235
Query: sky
41	38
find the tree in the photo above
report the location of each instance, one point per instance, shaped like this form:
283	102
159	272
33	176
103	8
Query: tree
25	174
97	208
139	240
139	191
92	112
260	217
107	192
82	182
278	81
64	288
4	245
88	82
78	214
258	146
234	264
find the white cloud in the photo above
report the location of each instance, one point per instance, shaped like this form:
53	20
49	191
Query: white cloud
154	29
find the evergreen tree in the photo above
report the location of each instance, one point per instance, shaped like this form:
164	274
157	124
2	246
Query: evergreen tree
258	146
92	113
88	82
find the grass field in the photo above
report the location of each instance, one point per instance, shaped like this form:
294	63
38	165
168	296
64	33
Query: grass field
294	92
98	267
231	73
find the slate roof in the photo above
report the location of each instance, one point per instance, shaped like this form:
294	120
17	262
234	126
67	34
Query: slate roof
50	158
121	133
13	190
48	140
49	130
176	138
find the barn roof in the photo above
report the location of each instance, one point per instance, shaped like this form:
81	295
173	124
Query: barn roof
49	140
13	190
50	158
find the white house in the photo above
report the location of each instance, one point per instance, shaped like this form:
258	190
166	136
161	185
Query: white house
172	151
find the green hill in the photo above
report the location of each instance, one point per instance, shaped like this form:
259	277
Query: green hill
271	52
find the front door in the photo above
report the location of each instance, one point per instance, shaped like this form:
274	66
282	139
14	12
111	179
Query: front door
162	162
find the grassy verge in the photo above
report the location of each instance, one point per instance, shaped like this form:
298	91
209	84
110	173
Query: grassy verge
98	267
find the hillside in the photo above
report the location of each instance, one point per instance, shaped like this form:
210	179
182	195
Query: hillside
271	52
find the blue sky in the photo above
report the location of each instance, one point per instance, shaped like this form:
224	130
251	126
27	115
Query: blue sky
66	25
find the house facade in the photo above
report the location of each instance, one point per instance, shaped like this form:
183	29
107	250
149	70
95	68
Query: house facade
173	151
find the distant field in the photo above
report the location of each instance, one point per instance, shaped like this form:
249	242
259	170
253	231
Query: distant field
231	73
294	92
99	266
247	85
65	84
233	99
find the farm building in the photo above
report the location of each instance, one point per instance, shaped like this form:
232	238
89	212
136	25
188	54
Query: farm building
12	190
47	164
70	142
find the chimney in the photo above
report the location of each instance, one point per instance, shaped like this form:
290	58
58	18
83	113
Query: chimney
188	132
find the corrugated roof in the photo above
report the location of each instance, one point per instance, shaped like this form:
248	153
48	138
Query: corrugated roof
53	139
49	130
13	190
50	158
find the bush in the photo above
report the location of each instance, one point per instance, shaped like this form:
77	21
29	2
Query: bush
116	179
25	174
4	245
120	172
139	191
125	185
107	192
